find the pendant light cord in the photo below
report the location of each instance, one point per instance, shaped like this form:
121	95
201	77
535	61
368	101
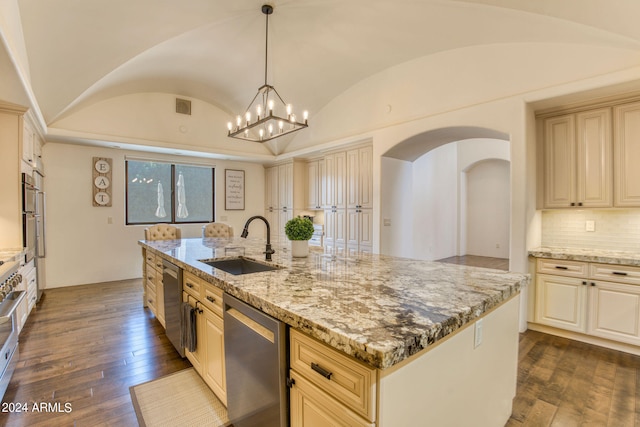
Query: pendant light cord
266	47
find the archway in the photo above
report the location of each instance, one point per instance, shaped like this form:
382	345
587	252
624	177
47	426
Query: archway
424	187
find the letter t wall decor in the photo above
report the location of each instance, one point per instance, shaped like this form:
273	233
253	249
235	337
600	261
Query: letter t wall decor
102	181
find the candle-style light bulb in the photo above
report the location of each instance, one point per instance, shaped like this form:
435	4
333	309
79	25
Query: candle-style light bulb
248	116
305	115
259	110
280	125
261	132
270	129
289	109
238	121
292	118
271	106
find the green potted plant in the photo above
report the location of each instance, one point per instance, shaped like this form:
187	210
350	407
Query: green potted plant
299	231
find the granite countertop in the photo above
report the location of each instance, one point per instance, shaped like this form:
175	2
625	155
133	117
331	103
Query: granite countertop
379	309
588	255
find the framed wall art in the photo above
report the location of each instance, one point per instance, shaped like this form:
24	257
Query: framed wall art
233	190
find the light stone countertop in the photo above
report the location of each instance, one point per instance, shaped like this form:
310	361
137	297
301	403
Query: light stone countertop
588	255
9	255
378	309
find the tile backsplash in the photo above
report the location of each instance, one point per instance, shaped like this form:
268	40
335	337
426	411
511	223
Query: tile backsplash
615	229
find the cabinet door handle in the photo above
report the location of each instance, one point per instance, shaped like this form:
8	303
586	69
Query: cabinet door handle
619	273
321	370
561	267
573	204
584	283
579	203
593	284
189	285
211	299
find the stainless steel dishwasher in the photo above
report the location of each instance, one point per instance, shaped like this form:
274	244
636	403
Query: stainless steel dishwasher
172	282
256	366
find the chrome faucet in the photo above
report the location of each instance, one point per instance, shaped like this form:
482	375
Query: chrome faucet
245	233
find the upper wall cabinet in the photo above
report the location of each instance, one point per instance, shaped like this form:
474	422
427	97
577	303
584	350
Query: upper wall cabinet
359	178
627	155
578	160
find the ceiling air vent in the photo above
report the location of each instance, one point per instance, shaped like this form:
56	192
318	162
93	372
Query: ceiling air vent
183	106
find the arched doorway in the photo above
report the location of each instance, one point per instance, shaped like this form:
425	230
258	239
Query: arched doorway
424	191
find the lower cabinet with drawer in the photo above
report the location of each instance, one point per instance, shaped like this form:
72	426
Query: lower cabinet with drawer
153	286
208	358
329	388
600	300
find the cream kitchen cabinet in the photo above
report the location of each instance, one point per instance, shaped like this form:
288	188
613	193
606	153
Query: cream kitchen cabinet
561	302
335	165
359	178
335	230
600	300
285	194
316	185
154	287
28	139
329	388
627	155
578	166
208	358
196	357
359	231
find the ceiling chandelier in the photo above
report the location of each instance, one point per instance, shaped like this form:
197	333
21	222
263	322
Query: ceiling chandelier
267	116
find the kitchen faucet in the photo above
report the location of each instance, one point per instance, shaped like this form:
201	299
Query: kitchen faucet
245	233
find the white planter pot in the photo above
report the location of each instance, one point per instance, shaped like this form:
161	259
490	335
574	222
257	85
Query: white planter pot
299	248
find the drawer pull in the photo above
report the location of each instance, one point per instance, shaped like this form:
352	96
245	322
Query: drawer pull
321	370
561	267
619	273
189	285
584	283
210	298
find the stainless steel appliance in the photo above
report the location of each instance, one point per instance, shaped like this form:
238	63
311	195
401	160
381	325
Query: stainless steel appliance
256	366
29	194
172	281
9	301
40	245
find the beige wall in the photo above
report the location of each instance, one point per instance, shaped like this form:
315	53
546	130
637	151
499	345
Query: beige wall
82	247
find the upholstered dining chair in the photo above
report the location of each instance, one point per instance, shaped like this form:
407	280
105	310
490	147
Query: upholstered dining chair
162	232
217	229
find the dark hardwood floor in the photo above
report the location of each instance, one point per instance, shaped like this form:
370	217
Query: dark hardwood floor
86	345
562	382
478	261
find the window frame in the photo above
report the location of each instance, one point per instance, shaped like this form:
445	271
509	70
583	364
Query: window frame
172	219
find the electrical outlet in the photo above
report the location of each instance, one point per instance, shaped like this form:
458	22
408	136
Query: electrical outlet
386	222
478	334
497	245
590	225
109	220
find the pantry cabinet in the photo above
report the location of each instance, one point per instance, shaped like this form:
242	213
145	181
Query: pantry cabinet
578	162
627	155
600	300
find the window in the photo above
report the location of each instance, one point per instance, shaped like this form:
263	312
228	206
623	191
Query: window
160	192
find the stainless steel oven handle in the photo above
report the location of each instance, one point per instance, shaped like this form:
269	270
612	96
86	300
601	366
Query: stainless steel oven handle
10	304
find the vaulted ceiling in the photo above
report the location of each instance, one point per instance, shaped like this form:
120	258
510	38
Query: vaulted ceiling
79	52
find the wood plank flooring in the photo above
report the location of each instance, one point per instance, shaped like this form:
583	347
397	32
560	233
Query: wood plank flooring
562	382
478	261
86	345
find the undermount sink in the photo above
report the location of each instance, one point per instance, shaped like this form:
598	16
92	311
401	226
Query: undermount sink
240	265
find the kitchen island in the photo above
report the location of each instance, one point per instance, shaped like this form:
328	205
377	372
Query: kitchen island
407	319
